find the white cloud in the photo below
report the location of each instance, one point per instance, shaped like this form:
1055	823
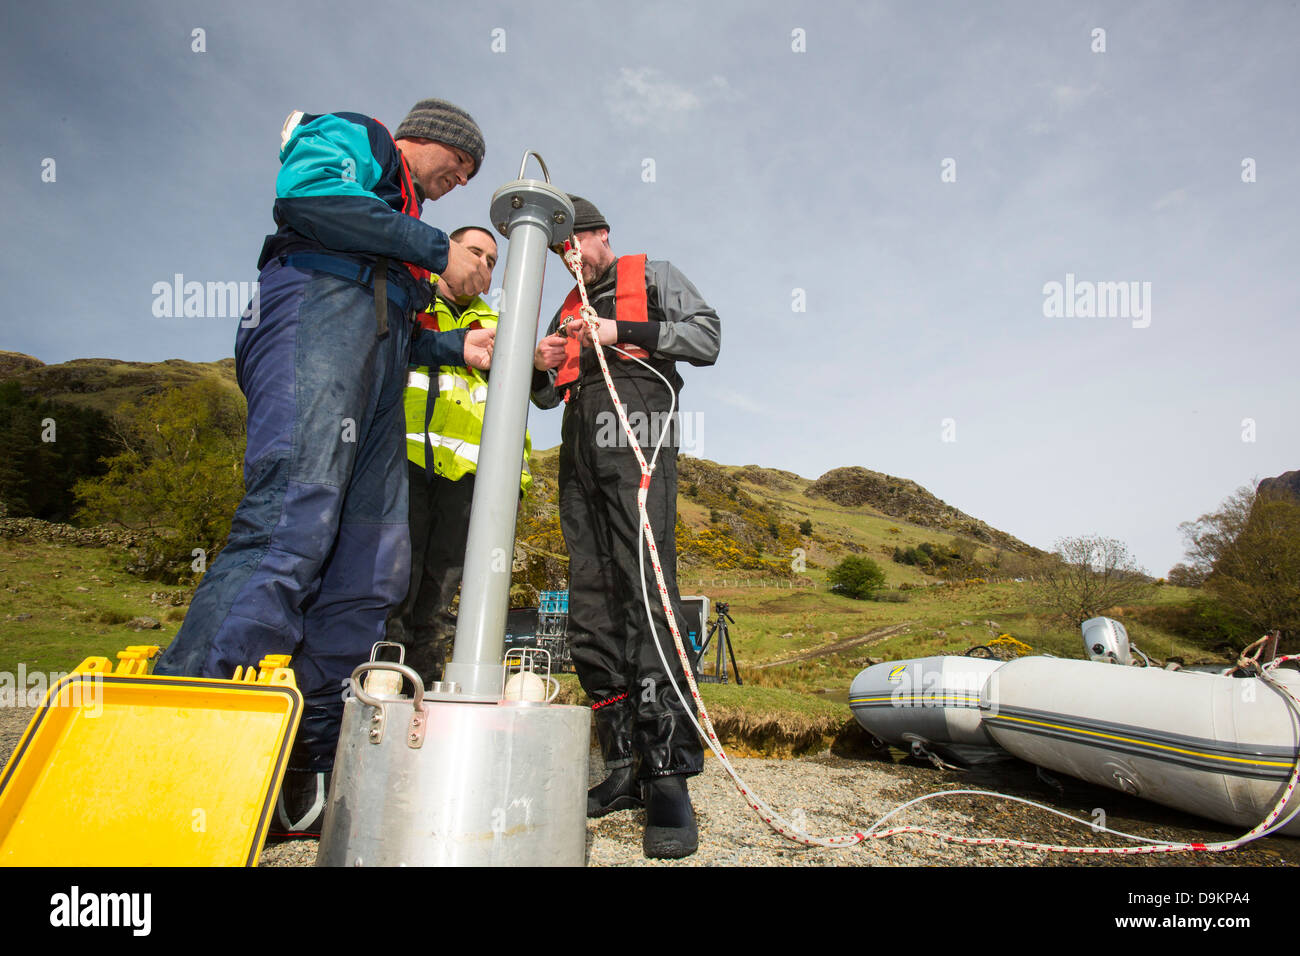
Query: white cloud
645	96
738	400
1175	198
1068	97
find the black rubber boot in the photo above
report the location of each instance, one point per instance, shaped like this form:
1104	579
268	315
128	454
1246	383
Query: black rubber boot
300	807
670	830
664	738
620	790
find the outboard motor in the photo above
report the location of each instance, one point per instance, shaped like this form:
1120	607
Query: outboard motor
1105	640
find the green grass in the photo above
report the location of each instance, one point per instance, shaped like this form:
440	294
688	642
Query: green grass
786	709
816	618
48	625
757	721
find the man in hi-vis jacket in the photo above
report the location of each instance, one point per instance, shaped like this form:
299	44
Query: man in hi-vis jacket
445	407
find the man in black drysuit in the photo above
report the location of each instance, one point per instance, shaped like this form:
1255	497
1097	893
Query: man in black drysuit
649	309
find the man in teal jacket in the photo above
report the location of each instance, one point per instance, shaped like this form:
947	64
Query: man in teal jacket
318	549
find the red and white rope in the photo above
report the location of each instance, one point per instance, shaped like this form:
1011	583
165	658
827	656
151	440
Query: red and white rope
778	823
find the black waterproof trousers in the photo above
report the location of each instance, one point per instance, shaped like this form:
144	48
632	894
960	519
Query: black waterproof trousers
637	713
439	520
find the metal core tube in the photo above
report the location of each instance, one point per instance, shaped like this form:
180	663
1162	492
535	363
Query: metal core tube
533	216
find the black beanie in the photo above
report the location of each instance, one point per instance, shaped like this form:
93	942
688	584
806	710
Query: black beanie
444	123
586	215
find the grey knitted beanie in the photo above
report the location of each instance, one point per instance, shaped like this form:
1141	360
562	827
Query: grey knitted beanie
586	215
444	123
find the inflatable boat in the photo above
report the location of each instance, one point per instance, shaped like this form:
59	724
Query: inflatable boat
1219	745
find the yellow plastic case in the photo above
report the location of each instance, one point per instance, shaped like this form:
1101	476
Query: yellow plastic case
124	768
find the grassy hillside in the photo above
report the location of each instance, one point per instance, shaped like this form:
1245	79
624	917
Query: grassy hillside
61	603
105	384
774	625
733	520
743	522
759	538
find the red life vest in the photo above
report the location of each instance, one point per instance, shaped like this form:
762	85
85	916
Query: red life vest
629	306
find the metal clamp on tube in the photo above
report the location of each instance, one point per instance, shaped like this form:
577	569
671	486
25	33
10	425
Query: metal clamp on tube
533	215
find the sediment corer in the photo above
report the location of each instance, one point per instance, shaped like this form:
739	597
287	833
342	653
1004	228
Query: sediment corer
436	780
533	215
476	770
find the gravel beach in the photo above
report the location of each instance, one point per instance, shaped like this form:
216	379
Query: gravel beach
836	795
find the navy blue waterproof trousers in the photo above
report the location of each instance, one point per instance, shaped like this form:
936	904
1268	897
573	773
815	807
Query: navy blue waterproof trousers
319	550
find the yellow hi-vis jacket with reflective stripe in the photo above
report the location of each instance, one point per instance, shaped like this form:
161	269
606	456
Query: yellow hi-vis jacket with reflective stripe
452	402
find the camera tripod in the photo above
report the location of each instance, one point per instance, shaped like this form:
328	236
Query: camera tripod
719	628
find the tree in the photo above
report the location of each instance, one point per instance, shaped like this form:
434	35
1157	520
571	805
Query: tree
1212	534
1183	576
1087	575
48	445
857	577
178	476
1249	554
805	527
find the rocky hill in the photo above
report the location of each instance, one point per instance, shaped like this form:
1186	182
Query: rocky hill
744	519
1286	483
906	500
104	384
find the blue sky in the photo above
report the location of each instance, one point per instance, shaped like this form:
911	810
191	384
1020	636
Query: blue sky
775	169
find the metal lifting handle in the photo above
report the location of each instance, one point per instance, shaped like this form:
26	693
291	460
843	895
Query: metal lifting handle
402	669
540	162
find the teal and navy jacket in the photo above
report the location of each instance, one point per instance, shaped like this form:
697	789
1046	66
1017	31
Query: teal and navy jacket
345	190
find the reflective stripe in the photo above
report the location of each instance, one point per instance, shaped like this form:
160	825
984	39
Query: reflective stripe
454	399
455	383
458	447
463	449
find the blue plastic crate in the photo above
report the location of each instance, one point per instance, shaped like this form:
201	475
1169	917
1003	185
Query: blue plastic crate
553	602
